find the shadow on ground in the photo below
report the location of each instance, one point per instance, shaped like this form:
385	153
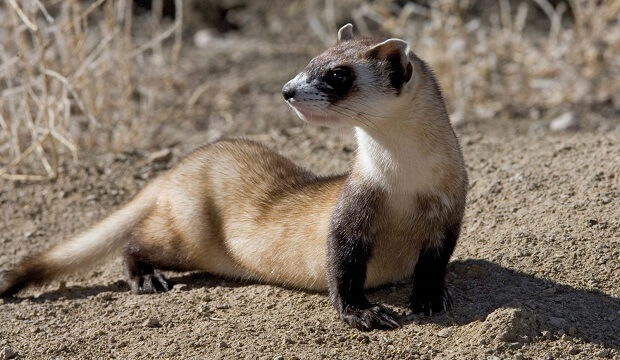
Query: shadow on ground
479	288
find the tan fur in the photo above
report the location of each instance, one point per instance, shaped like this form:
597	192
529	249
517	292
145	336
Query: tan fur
237	209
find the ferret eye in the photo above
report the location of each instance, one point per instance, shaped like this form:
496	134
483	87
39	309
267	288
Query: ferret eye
337	77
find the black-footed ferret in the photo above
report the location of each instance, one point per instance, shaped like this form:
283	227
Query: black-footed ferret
237	209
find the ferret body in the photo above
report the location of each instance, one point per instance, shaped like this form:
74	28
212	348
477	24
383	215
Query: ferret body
237	209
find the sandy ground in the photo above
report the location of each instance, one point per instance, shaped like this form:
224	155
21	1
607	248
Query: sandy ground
536	273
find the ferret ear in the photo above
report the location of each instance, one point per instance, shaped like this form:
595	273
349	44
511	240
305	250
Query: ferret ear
396	53
345	33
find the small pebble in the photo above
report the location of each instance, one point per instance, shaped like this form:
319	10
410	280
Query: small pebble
203	38
457	119
224	345
7	353
279	357
180	287
151	322
550	291
603	353
574	350
287	340
566	121
364	339
558	322
444	333
107	296
160	156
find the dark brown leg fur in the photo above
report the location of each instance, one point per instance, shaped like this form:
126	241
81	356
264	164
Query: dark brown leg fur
153	245
348	249
430	295
141	276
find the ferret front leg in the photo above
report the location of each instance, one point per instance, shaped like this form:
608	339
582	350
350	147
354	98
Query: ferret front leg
430	295
347	257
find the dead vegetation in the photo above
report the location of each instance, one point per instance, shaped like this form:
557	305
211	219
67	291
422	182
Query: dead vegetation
72	72
499	59
68	78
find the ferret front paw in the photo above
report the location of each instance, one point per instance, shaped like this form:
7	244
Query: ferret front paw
430	302
373	317
149	284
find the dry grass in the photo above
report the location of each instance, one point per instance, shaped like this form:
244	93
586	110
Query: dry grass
501	63
68	78
72	72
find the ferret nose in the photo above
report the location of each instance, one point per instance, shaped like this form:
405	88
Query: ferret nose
288	92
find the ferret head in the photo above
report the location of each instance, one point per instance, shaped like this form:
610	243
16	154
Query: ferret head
357	82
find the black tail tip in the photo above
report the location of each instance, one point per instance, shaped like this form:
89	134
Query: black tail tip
33	270
11	282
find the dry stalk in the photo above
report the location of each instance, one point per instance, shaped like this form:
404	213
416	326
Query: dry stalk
68	81
496	65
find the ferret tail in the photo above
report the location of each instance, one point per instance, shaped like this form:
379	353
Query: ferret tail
83	251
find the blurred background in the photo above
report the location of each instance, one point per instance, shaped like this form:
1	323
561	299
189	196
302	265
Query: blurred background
90	77
99	96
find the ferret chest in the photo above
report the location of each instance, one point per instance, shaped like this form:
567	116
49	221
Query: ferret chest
408	221
397	239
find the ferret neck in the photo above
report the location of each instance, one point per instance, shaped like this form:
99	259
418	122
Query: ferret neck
404	159
410	150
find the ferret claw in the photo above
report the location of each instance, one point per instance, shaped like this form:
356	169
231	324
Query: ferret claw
371	318
430	302
149	284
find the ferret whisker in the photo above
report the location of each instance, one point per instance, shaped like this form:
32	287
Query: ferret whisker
344	116
362	116
362	103
350	116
